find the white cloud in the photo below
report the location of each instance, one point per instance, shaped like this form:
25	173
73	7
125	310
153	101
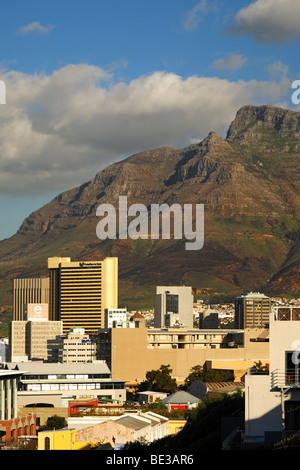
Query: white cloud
269	21
35	26
192	17
231	62
277	70
59	130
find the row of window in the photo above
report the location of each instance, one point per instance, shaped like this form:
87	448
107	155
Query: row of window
66	376
74	386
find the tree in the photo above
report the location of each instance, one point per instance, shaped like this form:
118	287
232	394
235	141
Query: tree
210	375
159	380
196	373
54	422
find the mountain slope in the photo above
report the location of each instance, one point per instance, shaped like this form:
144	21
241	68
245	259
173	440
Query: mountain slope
248	184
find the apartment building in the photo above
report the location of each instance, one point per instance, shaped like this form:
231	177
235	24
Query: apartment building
80	292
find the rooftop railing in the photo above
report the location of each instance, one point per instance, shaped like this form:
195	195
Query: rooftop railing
290	378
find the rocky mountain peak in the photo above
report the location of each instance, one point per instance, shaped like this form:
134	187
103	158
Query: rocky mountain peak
284	121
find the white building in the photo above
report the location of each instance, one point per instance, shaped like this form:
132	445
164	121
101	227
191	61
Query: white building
173	307
57	384
272	399
76	346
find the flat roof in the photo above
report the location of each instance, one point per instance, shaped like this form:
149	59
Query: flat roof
5	373
45	368
195	330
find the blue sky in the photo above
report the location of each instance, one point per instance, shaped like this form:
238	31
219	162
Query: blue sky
91	82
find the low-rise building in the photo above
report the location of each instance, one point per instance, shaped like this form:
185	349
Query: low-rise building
131	427
181	400
272	394
131	352
57	384
149	396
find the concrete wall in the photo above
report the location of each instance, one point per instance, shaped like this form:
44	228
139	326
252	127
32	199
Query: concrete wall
105	432
262	408
131	358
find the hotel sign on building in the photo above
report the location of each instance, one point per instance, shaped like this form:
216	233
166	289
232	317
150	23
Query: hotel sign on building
36	312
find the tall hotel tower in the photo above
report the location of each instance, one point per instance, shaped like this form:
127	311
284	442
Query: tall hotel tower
80	292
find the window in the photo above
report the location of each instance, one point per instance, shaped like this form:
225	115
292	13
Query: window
292	367
47	443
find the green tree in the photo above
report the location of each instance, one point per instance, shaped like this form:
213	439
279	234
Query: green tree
210	375
196	373
159	380
54	422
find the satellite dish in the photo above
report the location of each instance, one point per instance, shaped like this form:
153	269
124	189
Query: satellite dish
198	389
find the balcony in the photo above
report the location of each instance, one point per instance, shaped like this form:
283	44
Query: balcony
290	378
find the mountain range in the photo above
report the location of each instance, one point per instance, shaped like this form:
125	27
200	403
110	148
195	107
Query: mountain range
248	183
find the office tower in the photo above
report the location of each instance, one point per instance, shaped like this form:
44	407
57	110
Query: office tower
25	291
173	306
252	311
81	291
28	338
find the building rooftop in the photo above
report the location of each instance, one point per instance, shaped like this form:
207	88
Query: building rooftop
35	367
223	387
132	422
181	397
253	295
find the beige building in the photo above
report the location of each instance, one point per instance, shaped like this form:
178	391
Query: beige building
26	291
81	291
76	346
28	340
130	353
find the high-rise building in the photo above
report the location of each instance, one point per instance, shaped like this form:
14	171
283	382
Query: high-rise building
173	306
252	311
81	291
27	291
